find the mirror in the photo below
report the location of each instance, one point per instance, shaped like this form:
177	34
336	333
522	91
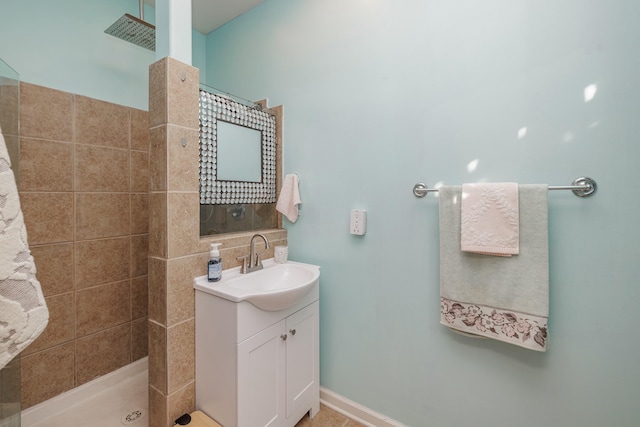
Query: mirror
237	152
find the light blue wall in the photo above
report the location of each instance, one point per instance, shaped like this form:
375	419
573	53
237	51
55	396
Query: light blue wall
62	45
381	94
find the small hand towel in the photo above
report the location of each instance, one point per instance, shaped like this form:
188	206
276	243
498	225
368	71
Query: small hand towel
506	299
490	219
23	311
289	198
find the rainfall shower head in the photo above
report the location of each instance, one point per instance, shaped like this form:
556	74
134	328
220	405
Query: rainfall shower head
134	30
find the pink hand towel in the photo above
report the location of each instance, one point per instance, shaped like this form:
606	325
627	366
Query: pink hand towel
490	221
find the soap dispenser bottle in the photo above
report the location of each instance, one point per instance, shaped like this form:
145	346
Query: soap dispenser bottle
214	267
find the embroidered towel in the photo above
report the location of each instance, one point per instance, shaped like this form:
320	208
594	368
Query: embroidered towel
490	219
23	311
289	198
506	299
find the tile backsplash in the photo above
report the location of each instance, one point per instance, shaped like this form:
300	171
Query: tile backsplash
84	166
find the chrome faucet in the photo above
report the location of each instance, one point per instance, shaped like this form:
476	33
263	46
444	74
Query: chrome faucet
254	263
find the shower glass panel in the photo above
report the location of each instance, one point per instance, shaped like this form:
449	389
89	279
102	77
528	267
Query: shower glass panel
10	128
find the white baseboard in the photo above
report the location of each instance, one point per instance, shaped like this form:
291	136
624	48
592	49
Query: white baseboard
356	411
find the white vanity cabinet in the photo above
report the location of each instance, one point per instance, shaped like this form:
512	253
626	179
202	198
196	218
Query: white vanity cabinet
257	368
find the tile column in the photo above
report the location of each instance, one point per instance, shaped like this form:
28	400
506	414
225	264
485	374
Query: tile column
173	238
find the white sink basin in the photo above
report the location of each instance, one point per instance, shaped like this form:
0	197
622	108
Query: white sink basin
275	287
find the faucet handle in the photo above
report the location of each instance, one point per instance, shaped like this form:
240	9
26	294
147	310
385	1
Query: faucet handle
244	268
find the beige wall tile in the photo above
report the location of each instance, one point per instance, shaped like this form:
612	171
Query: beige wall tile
181	402
158	93
235	245
46	165
183	228
48	217
139	130
182	160
183	83
158	224
180	293
9	102
139	339
139	297
10	381
101	353
101	215
158	409
60	328
101	169
241	239
158	357
158	290
54	265
139	171
181	350
13	148
158	158
45	113
139	255
102	307
101	123
140	213
105	214
102	261
39	381
230	255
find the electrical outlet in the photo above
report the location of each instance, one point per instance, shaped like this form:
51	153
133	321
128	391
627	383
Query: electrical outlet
358	223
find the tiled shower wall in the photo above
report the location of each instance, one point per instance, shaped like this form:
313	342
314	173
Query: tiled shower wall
84	182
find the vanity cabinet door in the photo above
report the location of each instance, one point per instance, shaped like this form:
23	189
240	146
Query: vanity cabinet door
278	372
302	358
261	374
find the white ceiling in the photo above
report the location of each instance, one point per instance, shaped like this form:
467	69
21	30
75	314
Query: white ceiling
211	14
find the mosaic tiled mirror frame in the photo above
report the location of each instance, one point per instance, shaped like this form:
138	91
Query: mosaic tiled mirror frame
214	107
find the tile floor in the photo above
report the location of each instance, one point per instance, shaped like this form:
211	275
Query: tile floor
327	417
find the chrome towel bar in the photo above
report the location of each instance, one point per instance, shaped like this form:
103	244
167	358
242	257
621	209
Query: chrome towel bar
581	187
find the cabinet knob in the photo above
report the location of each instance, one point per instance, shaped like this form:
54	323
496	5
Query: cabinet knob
292	331
284	337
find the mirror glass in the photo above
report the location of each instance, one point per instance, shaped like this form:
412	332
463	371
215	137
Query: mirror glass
239	153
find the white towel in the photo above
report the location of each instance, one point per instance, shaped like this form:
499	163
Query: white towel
490	219
506	299
23	311
289	198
